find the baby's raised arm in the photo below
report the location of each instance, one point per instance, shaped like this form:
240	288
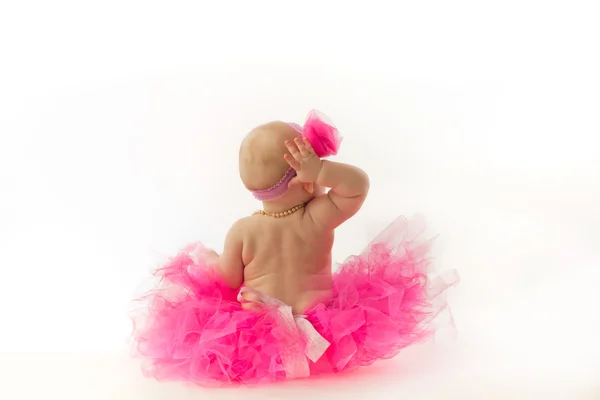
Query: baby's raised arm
349	187
348	184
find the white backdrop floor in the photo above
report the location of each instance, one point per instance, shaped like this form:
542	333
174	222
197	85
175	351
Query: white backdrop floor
118	378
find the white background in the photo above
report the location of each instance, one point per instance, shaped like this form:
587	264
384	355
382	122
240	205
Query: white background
120	123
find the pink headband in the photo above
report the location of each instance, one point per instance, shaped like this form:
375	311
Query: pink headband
324	139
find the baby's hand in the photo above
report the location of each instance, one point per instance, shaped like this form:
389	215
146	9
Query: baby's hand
303	159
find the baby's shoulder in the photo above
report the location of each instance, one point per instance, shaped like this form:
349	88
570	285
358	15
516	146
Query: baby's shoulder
241	226
241	223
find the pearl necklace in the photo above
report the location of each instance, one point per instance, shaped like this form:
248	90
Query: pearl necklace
280	214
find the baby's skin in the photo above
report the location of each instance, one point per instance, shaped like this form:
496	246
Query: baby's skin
289	258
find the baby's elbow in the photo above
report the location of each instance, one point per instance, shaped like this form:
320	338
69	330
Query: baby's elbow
233	277
365	182
234	281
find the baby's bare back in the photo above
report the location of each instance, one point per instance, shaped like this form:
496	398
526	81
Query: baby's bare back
288	259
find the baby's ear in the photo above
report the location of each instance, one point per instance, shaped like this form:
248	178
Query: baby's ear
294	182
309	187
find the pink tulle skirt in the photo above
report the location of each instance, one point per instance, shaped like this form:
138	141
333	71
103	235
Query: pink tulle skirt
193	326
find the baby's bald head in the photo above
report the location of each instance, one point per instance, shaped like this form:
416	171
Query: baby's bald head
261	155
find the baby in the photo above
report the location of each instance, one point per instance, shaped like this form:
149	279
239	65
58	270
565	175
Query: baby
284	251
269	308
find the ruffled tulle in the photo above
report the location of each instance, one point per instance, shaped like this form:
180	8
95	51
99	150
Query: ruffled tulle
322	134
193	327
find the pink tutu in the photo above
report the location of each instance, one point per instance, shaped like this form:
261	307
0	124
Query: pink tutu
194	328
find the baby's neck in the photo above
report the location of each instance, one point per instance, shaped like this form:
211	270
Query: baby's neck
281	206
